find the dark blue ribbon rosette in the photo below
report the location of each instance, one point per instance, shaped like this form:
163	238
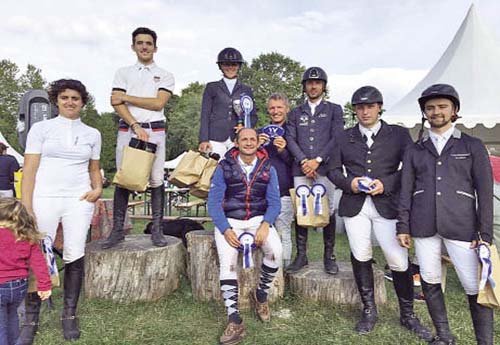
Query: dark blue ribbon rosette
318	190
47	248
272	131
364	184
246	104
484	255
303	191
247	245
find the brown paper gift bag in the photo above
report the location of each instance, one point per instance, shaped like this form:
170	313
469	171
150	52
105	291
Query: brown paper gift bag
135	169
202	187
189	169
309	218
489	296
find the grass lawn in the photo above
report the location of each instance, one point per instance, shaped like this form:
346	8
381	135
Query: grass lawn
178	319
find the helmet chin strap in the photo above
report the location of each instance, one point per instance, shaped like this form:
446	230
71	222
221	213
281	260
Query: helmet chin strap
421	131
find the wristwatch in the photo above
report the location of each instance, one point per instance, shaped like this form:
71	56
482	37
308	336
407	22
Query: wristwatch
319	159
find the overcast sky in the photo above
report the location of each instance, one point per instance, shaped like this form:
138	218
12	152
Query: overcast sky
390	44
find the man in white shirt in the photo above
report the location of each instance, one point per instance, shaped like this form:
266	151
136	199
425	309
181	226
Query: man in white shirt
140	92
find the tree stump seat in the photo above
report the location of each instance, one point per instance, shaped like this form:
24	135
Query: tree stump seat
203	271
134	270
313	283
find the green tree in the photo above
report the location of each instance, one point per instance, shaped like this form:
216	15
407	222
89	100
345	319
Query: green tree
269	73
10	92
184	120
349	115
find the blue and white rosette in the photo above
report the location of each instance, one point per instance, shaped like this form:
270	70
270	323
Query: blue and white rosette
484	255
47	248
272	131
247	245
318	190
246	103
364	184
303	191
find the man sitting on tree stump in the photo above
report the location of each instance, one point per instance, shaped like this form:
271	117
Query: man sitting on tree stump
244	201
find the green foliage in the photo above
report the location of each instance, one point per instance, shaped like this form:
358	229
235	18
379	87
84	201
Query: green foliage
349	115
184	120
269	73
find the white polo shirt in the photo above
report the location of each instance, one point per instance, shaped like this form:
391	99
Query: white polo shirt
144	81
65	146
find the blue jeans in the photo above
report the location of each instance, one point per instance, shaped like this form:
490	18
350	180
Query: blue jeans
12	293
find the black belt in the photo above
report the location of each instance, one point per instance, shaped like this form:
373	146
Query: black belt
152	125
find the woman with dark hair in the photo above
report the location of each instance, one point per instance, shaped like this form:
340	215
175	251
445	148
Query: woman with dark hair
61	182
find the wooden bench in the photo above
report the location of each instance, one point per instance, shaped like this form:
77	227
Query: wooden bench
133	204
187	207
196	219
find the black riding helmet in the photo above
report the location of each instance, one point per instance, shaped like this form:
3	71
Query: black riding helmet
439	91
230	55
367	95
314	73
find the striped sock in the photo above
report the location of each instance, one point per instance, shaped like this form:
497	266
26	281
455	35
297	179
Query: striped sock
267	275
229	290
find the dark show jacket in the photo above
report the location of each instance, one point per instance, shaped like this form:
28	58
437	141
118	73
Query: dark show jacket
218	119
309	136
439	192
380	161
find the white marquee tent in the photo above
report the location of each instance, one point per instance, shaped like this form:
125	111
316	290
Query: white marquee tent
172	164
471	63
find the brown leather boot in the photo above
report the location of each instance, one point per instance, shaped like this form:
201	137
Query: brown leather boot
233	334
261	309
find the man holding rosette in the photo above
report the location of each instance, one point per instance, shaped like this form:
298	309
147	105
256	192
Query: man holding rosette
244	201
371	153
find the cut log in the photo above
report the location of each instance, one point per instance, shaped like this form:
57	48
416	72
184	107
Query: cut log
203	271
315	284
134	270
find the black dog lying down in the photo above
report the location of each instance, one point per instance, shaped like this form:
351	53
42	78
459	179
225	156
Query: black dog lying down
178	228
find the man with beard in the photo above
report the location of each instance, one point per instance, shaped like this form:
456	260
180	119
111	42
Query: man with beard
446	199
310	133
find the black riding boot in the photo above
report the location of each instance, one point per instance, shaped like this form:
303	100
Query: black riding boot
363	275
403	284
301	243
120	203
73	278
32	305
482	318
157	206
329	259
434	299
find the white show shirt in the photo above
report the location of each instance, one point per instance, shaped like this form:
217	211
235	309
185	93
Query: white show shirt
230	83
144	81
313	105
440	140
65	146
370	132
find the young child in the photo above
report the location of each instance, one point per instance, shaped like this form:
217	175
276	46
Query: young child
19	251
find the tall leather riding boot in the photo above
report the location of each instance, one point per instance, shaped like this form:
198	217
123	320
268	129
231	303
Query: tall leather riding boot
482	318
329	259
157	207
73	278
363	275
29	328
403	284
434	299
120	204
301	243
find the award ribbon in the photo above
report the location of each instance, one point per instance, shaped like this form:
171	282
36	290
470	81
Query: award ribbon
49	255
484	255
246	104
318	191
247	245
303	192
